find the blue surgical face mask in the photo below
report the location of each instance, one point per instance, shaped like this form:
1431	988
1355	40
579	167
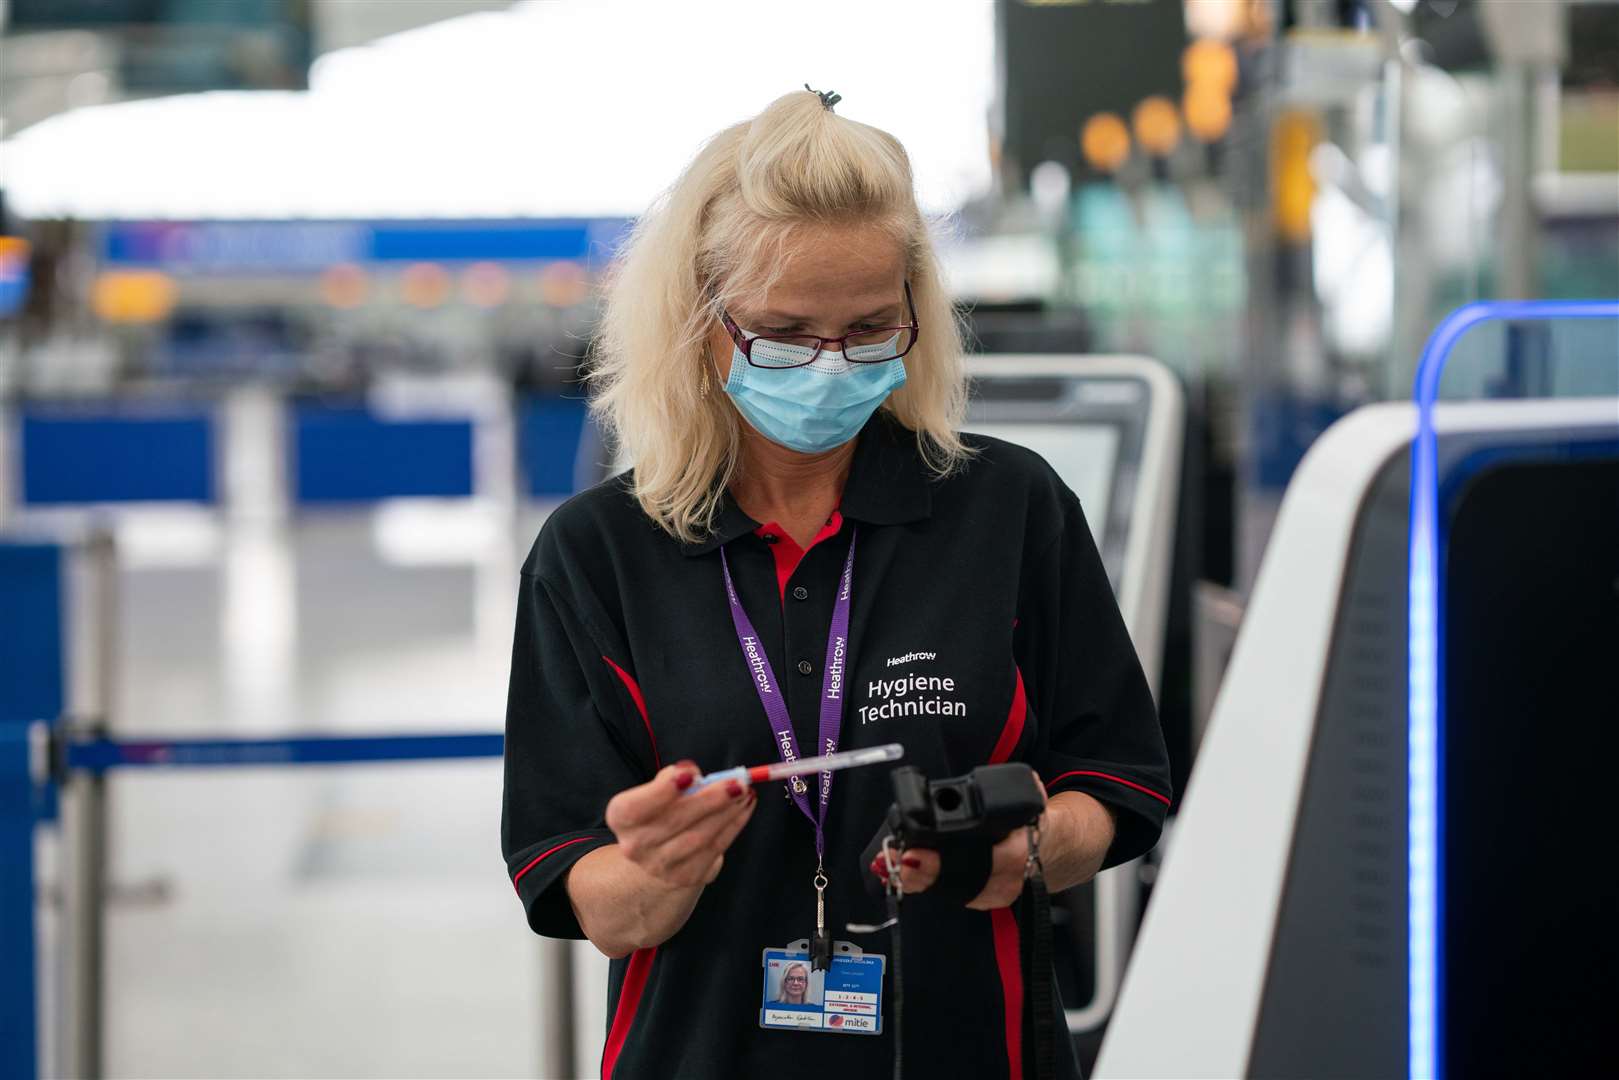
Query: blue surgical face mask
815	407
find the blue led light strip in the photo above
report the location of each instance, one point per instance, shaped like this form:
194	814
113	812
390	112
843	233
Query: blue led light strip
1425	707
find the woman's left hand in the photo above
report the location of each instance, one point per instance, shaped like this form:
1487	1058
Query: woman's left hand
919	869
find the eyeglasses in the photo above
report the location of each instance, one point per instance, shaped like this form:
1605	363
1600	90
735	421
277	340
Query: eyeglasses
877	345
794	978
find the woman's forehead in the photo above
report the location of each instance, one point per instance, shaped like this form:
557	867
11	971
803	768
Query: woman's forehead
832	270
849	296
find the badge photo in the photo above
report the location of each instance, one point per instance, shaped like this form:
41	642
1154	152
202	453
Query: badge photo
844	999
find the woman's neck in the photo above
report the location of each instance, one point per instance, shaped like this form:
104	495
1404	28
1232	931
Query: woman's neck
796	491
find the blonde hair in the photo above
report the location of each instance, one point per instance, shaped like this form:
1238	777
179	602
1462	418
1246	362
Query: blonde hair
717	237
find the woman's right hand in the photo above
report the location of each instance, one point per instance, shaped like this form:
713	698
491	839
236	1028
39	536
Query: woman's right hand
679	839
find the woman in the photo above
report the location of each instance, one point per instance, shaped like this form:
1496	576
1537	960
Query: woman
807	554
795	981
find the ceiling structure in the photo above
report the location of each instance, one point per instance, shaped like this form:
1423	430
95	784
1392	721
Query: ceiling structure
569	108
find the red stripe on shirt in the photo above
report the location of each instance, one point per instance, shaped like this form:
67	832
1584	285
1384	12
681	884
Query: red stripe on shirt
1116	779
629	999
785	550
1013	729
548	851
1009	961
640	703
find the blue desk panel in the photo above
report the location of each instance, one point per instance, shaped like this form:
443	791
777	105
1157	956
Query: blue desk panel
123	454
32	670
549	430
348	454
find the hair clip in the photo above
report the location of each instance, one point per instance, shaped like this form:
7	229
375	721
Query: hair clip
828	98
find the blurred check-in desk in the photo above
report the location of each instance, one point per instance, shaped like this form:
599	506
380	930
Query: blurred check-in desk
1393	855
285	566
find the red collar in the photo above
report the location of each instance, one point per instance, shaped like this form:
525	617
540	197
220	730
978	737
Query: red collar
786	550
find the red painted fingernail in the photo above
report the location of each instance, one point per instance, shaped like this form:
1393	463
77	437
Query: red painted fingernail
683	780
912	861
734	787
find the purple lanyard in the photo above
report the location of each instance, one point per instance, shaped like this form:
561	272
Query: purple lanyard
769	690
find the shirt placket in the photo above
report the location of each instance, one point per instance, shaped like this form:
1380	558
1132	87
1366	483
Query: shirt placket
804	624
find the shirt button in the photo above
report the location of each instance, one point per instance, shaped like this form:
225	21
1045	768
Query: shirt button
800	593
805	667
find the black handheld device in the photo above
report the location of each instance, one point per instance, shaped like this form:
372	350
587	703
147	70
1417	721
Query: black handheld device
986	804
962	818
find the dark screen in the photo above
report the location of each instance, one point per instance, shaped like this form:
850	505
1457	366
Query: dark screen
1063	62
1531	903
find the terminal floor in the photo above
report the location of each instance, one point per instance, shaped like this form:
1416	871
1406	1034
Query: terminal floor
338	921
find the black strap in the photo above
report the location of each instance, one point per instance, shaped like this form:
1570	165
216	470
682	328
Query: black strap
1040	1032
899	990
1040	1007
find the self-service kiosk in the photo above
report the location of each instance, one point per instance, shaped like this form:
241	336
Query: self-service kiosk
1351	893
1111	426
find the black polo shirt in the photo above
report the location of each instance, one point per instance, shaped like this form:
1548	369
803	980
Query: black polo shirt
983	629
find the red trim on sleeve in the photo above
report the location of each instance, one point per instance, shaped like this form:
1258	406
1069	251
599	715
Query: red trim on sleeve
1013	730
640	703
629	999
785	550
549	851
1116	779
1010	962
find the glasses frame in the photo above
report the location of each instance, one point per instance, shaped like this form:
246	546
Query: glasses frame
744	343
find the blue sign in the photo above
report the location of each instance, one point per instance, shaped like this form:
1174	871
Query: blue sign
294	247
13	274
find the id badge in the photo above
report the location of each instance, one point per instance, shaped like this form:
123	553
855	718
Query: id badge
847	998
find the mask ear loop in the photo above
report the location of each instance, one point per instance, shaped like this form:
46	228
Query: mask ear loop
710	367
708	351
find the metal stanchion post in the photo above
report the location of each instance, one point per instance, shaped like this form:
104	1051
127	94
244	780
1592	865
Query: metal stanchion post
92	633
556	1010
84	828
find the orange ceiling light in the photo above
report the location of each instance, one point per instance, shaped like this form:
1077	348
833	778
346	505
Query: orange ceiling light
1208	113
1157	125
344	286
1105	142
1210	63
564	284
425	285
486	284
133	296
